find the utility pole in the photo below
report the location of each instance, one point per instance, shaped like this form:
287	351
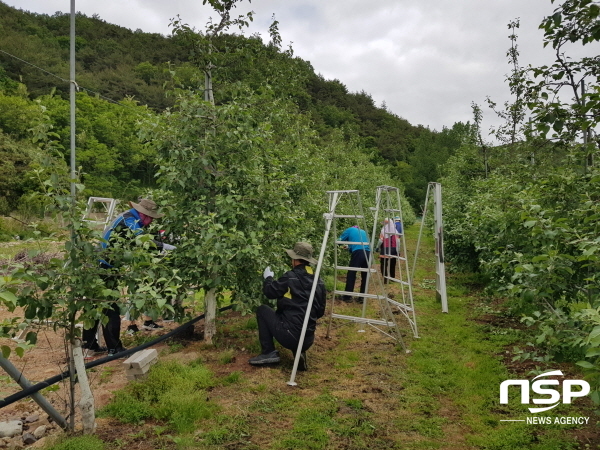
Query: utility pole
72	98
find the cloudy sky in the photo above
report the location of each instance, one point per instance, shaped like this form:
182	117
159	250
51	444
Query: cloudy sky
427	59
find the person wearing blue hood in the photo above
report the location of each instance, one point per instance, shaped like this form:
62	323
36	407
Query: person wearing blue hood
358	246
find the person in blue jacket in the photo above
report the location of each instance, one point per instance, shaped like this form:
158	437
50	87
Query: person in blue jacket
359	257
128	224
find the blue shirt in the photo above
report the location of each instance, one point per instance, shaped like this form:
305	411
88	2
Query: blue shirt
129	219
354	234
399	226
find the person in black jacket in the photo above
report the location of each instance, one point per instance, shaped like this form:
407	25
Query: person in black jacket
292	292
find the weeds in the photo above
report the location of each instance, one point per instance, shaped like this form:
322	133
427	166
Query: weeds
173	393
227	357
78	443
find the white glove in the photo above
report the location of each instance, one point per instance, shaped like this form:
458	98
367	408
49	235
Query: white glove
268	272
168	247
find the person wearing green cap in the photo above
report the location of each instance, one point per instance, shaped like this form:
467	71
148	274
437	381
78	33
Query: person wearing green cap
292	292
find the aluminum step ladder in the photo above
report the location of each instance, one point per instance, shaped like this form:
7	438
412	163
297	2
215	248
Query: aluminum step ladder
352	199
388	204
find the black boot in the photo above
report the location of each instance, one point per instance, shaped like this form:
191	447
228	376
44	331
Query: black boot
265	358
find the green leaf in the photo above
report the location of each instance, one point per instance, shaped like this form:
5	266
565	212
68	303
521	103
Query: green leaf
594	334
20	351
5	351
30	312
31	337
8	297
591	352
586	364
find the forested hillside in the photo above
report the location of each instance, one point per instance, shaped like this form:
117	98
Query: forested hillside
140	70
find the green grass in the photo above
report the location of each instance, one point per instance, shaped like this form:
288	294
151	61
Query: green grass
173	393
77	443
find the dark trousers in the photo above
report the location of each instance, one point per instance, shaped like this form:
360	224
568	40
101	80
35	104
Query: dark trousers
358	258
388	262
270	326
111	331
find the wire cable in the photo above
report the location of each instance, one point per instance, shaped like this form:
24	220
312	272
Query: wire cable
77	86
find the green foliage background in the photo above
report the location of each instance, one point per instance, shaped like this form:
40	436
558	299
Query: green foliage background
525	213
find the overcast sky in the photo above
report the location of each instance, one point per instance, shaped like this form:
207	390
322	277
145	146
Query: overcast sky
427	59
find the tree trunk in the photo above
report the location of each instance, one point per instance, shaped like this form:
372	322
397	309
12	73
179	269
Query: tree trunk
88	414
210	313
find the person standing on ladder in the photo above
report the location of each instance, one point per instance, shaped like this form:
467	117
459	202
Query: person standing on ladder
359	257
389	250
292	292
400	231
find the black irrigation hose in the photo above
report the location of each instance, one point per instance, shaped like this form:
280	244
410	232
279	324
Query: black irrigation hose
56	378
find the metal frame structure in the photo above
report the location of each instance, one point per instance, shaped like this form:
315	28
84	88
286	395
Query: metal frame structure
109	205
388	201
435	190
388	319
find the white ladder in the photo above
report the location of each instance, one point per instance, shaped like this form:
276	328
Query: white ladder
388	318
387	201
107	205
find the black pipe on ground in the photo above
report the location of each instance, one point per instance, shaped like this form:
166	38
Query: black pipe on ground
55	379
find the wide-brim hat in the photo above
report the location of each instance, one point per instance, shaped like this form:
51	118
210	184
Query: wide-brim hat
148	207
302	250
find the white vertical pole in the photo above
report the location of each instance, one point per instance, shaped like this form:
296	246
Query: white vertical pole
420	233
72	98
440	265
328	220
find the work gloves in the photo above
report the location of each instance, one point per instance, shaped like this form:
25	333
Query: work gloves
268	272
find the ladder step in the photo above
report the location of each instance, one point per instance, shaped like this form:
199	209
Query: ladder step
358	294
393	210
364	320
405	283
399	258
351	243
400	305
356	269
348	216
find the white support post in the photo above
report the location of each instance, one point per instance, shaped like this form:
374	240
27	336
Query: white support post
435	190
328	219
440	267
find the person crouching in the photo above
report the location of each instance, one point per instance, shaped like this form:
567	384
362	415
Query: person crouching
292	292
